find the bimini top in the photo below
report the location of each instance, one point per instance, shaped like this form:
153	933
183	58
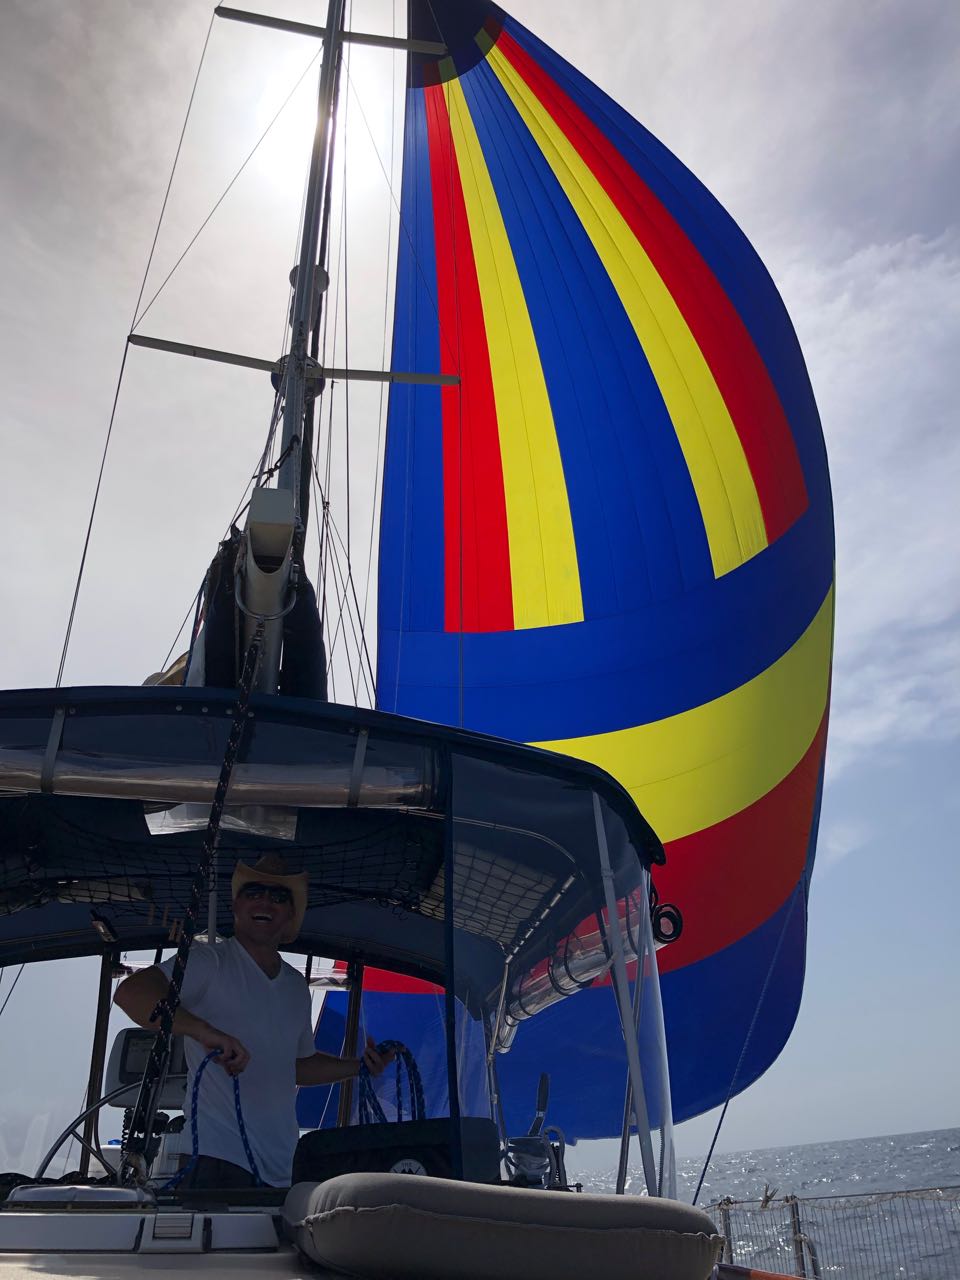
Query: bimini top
106	794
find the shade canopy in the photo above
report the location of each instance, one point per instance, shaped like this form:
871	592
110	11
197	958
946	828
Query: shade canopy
108	792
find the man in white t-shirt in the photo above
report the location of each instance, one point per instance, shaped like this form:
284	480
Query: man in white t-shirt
240	997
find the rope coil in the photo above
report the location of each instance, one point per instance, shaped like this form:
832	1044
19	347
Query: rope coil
195	1132
370	1110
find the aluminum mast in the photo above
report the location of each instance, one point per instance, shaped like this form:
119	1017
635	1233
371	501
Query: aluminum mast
266	588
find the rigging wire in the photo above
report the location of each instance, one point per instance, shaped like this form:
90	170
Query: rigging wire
424	278
345	583
341	599
383	348
346	361
360	640
802	886
138	316
12	986
186	618
266	459
176	159
346	299
330	570
329	337
123	364
166	280
341	581
335	572
314	404
364	665
260	470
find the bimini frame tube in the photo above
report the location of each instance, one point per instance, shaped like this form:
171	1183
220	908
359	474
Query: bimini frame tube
648	960
351	1038
98	1056
648	977
449	980
628	1098
621	988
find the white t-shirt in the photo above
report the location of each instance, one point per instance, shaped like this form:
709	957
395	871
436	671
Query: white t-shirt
226	987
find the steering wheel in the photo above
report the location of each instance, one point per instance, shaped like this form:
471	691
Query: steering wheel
71	1132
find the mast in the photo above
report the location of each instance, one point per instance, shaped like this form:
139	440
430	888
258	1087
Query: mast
275	522
305	312
263	586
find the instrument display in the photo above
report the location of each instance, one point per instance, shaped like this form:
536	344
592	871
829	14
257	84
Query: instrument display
136	1052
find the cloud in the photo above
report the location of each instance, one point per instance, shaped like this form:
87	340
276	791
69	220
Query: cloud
806	120
880	330
838	840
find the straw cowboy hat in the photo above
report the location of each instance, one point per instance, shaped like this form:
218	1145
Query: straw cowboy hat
270	870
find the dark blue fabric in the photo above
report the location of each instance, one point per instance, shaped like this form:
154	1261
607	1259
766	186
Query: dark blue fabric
630	668
413	476
317	1106
579	1040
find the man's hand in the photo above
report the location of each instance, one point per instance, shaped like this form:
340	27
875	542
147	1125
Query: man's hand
325	1068
376	1063
233	1057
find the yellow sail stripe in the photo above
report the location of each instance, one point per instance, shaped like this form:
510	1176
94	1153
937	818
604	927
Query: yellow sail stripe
543	555
692	770
711	446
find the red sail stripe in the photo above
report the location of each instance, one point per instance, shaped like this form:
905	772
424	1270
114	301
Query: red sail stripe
730	878
474	506
383	980
730	352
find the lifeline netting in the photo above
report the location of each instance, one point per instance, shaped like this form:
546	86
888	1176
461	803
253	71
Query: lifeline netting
900	1235
99	855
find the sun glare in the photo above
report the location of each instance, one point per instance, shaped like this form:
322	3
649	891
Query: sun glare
284	153
368	111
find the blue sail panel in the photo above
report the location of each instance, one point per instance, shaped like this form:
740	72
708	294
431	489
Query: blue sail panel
614	536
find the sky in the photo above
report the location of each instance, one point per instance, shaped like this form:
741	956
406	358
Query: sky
830	132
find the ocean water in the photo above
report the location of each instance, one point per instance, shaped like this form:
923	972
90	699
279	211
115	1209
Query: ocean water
854	1211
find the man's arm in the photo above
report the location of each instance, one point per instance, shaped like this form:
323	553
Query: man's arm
140	994
327	1068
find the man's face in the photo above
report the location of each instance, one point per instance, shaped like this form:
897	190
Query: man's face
262	913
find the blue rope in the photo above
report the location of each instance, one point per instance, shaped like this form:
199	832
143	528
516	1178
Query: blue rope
370	1110
195	1133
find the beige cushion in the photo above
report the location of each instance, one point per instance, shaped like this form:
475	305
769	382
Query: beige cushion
81	1196
388	1226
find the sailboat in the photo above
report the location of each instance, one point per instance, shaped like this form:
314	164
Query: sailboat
574	836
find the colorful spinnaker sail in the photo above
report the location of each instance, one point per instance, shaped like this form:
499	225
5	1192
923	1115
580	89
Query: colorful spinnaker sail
614	538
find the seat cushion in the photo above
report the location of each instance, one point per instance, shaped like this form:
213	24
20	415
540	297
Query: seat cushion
403	1227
